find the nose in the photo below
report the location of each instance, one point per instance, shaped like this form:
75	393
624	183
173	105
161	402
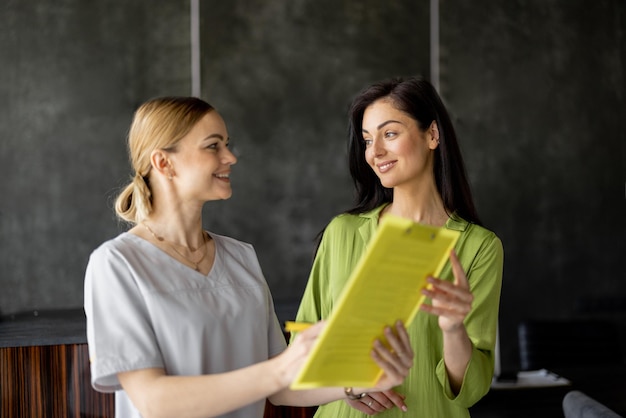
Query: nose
228	157
377	147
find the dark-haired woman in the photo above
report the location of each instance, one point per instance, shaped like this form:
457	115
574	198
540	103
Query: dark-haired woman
405	160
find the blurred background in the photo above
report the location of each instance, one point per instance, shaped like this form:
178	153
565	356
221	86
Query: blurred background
535	88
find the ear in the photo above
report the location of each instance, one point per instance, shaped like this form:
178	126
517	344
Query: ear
161	163
433	135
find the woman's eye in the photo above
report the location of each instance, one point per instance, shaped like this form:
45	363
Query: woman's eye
367	142
389	134
212	146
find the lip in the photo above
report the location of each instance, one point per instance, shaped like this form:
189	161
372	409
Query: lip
225	176
386	166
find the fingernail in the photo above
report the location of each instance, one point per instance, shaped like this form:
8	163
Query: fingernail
404	408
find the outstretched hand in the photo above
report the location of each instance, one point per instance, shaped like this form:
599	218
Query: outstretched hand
450	301
292	359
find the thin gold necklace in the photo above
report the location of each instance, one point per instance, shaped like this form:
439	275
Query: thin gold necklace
173	246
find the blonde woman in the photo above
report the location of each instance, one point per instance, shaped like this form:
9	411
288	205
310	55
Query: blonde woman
180	321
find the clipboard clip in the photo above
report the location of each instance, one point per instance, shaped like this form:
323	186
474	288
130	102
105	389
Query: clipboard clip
408	231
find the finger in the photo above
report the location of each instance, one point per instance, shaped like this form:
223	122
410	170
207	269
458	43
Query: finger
399	355
382	352
372	403
448	303
378	403
385	360
452	315
403	335
392	398
440	285
443	291
400	343
360	406
460	278
311	332
394	369
384	399
451	302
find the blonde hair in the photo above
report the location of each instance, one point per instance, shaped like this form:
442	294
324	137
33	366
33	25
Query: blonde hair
159	123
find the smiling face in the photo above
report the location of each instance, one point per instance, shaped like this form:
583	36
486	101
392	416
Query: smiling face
396	148
202	162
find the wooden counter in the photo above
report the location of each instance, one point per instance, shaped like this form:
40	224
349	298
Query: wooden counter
44	370
44	367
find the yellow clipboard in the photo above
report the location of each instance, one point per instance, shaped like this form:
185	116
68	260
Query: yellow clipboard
385	286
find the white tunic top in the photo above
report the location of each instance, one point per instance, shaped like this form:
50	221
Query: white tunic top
147	310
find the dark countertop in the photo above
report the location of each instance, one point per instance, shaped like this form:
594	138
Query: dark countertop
68	326
44	327
605	384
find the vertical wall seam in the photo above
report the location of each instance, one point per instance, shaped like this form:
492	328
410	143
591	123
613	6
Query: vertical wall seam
434	43
195	47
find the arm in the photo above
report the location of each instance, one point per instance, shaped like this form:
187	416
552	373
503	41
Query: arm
156	394
451	302
483	259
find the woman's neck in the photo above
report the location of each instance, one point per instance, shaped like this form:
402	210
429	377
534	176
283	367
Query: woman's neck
423	205
182	230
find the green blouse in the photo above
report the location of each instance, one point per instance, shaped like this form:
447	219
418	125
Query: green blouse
427	389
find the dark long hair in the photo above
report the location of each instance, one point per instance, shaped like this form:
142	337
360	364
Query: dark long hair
419	99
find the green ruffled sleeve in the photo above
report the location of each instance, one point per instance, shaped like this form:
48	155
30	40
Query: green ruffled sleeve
485	278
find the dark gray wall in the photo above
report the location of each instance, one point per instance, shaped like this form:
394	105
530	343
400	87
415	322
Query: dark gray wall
536	89
283	74
72	73
538	96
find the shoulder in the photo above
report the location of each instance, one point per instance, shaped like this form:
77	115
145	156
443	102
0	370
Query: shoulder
239	260
342	229
125	244
113	263
350	223
345	222
231	243
474	234
478	249
233	247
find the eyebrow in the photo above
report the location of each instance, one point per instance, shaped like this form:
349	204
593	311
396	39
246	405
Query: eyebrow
218	136
383	124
